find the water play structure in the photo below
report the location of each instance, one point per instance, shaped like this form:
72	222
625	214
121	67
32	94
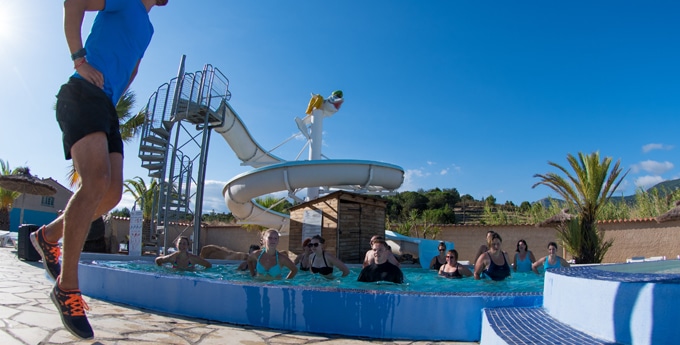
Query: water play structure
182	114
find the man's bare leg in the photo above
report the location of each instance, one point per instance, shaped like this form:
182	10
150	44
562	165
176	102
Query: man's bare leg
91	160
55	230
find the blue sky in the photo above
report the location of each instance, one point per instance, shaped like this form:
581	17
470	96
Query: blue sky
471	95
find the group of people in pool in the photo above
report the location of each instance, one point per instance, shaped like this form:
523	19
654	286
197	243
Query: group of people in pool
493	263
379	264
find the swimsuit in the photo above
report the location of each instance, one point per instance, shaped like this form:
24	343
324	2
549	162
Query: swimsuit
497	272
322	270
303	268
190	265
436	264
523	265
274	271
455	274
547	264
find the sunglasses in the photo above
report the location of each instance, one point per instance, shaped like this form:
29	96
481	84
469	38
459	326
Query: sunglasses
313	245
450	257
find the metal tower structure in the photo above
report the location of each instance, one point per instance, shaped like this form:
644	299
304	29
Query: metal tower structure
174	142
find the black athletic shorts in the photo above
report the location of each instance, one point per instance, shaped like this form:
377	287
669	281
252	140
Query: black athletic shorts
82	109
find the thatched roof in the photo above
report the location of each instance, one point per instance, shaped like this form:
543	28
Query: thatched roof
24	182
671	215
556	220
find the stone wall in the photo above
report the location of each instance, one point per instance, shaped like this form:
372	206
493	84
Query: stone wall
631	237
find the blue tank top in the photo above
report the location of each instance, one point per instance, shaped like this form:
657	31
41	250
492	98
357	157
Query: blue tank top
523	265
546	263
120	34
274	271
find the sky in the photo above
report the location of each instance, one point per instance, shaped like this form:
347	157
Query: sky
473	95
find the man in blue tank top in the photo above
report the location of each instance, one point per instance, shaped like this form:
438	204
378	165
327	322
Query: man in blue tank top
104	68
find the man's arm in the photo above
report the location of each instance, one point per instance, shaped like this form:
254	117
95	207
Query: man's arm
74	12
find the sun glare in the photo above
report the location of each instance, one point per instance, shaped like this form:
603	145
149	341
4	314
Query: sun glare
6	22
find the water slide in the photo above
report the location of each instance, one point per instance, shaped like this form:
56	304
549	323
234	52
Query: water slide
273	174
426	249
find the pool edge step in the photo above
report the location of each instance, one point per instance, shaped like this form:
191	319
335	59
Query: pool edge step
526	325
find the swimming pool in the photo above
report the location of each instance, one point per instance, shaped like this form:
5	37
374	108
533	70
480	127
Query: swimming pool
387	311
416	279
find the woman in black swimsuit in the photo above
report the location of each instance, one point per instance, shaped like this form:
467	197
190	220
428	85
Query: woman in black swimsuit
493	263
439	260
322	262
452	269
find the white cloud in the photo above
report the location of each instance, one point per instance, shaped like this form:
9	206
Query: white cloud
431	163
653	167
410	177
654	146
645	182
444	171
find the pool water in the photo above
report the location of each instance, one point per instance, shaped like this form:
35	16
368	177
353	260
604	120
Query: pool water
655	267
416	279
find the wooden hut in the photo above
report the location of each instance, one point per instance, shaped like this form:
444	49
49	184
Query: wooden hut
347	221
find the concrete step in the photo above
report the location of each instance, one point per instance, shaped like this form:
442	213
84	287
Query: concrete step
515	326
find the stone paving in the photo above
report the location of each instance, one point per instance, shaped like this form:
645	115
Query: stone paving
28	317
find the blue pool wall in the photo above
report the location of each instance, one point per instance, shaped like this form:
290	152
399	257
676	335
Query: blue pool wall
627	308
366	313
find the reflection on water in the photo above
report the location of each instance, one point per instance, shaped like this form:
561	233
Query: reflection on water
417	279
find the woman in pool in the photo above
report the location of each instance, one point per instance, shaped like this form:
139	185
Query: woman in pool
494	262
322	262
267	263
181	259
439	260
484	247
524	258
550	261
452	269
303	259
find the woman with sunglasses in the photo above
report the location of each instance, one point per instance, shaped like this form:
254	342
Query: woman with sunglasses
303	259
452	269
322	262
439	260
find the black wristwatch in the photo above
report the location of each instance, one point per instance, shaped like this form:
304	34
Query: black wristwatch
79	54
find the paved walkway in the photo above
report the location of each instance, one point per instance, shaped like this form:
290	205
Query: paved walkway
28	317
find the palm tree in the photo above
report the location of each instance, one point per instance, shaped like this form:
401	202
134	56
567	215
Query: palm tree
144	197
7	197
129	126
586	192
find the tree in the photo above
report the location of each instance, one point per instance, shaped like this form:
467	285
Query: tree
586	191
7	197
144	197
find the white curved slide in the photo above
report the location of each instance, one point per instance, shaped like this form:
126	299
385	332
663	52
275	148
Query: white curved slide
237	136
273	174
355	175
